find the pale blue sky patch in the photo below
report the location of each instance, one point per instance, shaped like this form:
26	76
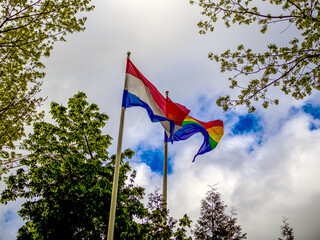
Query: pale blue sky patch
309	108
314	126
8	216
314	111
246	125
207	108
153	158
249	123
205	104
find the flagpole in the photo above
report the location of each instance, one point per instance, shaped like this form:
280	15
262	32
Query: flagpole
114	195
165	166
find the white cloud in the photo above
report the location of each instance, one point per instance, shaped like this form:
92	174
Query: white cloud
278	178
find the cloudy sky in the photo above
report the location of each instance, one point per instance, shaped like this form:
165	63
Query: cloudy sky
266	165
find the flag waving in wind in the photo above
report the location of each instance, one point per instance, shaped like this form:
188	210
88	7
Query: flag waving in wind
212	132
140	92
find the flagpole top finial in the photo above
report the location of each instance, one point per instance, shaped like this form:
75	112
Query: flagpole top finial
128	54
167	93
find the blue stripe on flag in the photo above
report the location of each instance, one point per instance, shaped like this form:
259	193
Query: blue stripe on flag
131	100
189	130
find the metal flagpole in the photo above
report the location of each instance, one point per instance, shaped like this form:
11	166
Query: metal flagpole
165	165
165	173
114	195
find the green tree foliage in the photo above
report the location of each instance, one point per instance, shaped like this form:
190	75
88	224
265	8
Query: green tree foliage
67	179
181	232
214	223
28	30
157	223
286	231
294	67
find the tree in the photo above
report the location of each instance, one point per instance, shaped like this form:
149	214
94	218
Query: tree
157	223
67	179
180	234
214	223
28	30
286	231
294	67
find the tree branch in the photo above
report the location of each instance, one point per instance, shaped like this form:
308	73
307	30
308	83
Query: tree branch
283	75
295	6
251	13
85	137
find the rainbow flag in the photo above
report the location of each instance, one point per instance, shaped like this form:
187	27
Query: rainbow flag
212	132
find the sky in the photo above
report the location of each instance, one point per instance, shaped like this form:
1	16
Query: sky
267	164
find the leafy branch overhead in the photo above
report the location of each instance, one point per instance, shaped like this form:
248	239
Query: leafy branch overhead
28	30
294	67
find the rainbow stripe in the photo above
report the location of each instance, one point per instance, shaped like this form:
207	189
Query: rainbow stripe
212	132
